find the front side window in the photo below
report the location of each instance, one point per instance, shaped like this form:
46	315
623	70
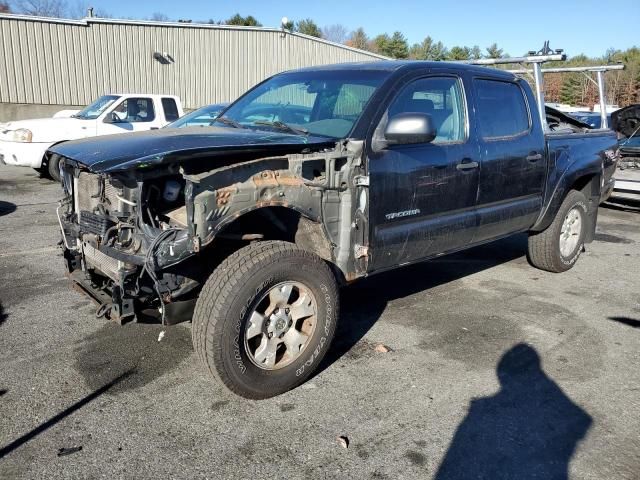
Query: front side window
135	110
322	103
439	97
501	109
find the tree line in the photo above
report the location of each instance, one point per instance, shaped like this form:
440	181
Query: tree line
623	87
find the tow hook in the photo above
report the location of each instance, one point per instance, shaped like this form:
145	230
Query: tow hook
104	310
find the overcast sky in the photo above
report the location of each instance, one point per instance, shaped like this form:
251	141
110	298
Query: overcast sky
578	26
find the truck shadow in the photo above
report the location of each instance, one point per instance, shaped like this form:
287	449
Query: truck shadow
529	429
363	303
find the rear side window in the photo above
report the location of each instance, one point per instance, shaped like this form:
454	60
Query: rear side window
170	109
502	110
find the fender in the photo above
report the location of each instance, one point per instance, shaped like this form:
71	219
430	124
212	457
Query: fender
586	178
308	186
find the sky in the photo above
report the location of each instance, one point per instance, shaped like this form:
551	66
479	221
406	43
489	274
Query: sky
516	26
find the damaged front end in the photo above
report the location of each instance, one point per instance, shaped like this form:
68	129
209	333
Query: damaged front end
122	232
142	241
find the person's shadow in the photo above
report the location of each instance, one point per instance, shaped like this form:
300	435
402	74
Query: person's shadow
529	429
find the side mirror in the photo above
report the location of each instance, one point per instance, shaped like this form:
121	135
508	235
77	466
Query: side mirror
408	128
111	117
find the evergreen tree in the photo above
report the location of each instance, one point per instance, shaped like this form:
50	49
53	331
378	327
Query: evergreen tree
308	27
248	21
494	52
570	92
459	53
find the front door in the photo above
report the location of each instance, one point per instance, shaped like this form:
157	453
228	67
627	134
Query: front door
423	196
133	114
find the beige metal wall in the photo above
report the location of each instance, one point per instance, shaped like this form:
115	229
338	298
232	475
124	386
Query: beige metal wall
53	62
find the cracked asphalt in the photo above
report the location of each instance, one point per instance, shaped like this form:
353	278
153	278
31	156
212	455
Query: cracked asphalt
496	370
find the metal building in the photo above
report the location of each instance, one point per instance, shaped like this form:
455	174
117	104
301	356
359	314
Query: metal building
48	64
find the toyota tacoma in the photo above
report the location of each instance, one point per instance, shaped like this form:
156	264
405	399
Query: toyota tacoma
311	180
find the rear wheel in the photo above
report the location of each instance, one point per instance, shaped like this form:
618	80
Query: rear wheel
265	318
53	167
557	248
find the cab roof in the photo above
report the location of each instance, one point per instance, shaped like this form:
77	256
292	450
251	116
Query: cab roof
408	65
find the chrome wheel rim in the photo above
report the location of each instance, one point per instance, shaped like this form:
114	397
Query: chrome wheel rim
570	232
281	325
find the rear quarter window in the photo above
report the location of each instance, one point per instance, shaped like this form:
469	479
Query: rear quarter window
502	110
170	109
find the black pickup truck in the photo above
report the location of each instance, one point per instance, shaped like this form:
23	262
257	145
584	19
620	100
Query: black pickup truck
311	180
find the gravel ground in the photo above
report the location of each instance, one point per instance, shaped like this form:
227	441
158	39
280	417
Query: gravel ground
497	370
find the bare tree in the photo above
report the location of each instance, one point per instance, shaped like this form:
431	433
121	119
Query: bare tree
4	7
335	33
43	8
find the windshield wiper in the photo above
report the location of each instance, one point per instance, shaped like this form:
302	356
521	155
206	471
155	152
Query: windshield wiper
283	126
227	121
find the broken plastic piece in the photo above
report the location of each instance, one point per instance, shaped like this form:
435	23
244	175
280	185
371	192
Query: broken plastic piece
68	451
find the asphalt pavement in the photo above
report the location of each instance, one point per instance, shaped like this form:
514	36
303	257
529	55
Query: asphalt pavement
495	370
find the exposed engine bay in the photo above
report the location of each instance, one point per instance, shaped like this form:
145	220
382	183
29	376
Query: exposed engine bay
143	241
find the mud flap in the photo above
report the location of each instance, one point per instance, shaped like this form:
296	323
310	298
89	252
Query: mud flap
593	220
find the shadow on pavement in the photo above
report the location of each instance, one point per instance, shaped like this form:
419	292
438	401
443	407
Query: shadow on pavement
529	429
3	315
4	451
6	208
632	322
622	204
364	302
113	349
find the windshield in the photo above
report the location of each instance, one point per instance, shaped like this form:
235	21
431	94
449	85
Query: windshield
202	117
96	109
322	103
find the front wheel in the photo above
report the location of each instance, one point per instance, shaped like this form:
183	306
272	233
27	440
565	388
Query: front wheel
53	167
557	248
265	318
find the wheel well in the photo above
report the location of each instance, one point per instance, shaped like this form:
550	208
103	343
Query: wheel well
589	186
271	223
45	157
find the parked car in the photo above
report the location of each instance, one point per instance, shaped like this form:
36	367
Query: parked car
202	117
26	142
627	122
256	222
593	119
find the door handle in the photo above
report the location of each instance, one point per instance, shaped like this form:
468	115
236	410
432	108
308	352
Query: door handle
467	164
534	157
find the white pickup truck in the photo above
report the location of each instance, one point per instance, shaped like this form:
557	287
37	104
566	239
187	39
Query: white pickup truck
26	142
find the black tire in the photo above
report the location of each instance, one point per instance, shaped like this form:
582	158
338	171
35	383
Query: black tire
544	247
231	294
53	167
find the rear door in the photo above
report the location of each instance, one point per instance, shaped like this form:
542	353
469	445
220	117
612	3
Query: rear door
513	158
423	196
